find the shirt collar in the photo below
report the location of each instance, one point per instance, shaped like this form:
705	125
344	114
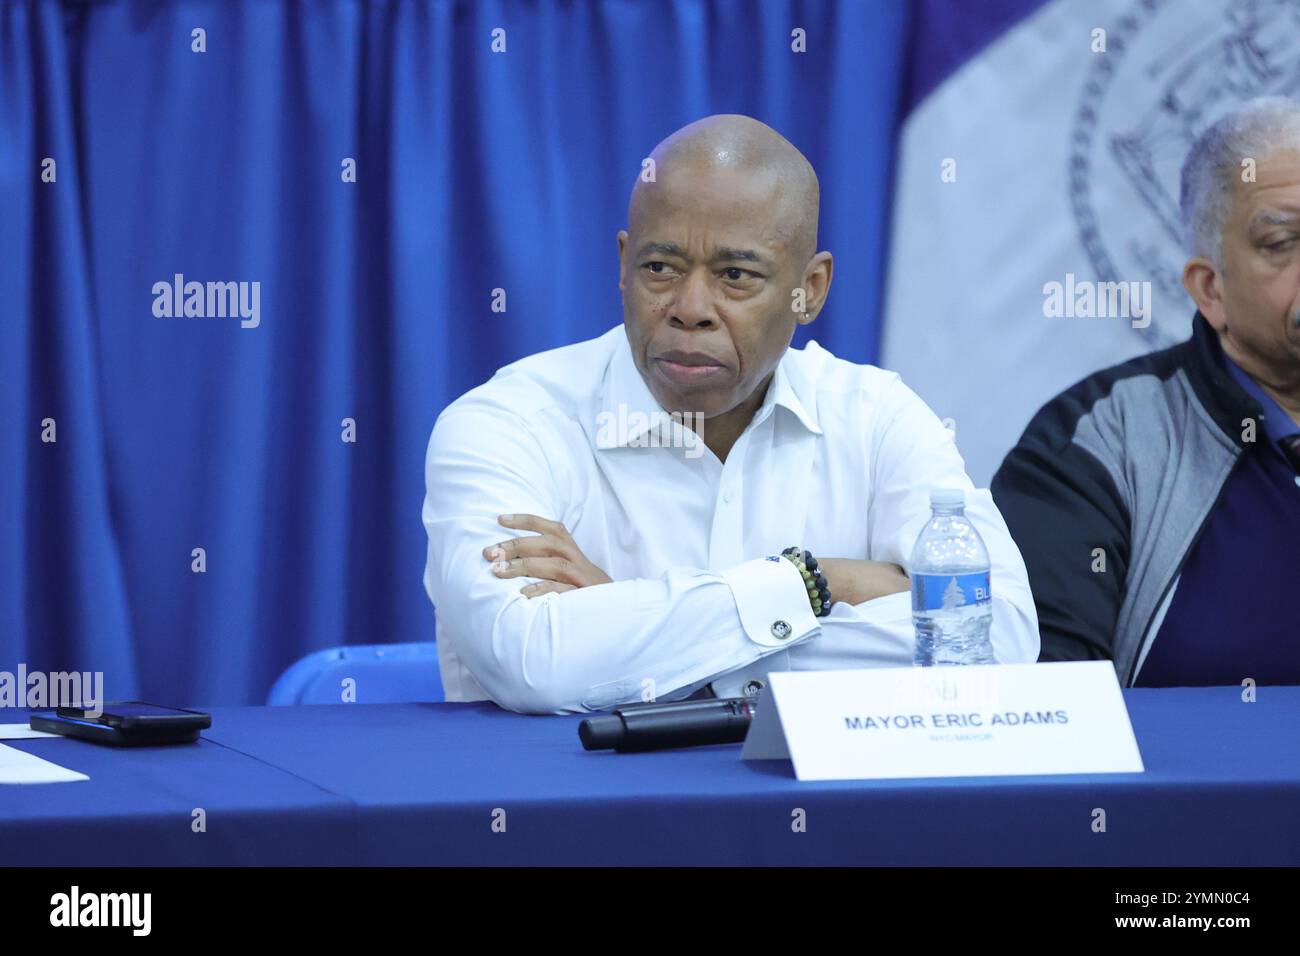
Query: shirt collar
1277	423
789	389
629	409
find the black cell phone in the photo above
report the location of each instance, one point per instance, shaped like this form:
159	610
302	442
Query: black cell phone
125	723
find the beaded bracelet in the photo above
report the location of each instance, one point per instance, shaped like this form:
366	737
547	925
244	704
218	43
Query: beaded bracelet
819	593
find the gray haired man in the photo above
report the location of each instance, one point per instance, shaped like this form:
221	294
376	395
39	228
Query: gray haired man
1157	503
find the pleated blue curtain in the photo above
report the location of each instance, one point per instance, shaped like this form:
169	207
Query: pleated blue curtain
475	171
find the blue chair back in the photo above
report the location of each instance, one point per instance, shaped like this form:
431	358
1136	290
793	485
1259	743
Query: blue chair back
380	674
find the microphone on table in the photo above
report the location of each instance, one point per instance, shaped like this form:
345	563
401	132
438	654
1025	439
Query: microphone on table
686	723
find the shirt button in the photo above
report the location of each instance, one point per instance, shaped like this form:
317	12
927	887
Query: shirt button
753	687
781	630
728	495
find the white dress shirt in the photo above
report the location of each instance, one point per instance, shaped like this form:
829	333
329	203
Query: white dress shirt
839	459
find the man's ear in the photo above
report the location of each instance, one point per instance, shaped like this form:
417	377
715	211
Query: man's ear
622	244
816	285
1201	280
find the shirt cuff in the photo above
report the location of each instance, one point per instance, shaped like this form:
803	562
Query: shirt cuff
772	601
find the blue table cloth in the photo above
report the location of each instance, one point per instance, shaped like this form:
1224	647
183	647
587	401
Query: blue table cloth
472	784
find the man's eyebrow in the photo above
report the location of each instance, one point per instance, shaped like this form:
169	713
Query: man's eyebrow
737	255
723	254
661	248
1274	217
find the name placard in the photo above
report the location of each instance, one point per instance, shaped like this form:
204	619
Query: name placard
979	721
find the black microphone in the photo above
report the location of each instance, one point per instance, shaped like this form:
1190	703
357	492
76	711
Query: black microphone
686	723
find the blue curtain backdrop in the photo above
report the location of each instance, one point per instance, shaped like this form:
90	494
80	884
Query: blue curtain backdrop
475	171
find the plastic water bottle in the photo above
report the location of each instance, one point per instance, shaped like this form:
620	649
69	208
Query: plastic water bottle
952	606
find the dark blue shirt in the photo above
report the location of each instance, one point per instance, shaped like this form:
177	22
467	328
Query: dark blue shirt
1276	423
1236	610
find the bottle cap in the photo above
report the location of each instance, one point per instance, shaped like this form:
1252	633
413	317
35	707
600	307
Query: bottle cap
947	498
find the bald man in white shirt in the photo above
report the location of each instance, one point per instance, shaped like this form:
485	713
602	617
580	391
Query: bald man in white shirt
605	519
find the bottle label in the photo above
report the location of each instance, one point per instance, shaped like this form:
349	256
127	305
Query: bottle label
950	592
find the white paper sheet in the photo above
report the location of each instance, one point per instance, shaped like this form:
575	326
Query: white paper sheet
21	732
17	766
